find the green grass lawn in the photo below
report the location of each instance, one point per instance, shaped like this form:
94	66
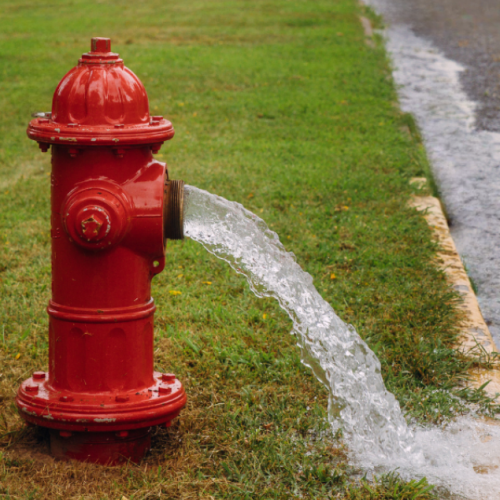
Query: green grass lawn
280	105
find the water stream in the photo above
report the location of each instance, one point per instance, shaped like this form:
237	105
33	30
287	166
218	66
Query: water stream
375	429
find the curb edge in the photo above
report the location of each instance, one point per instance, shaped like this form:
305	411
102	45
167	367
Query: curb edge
475	332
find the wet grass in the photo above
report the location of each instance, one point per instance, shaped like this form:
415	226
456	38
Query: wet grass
281	106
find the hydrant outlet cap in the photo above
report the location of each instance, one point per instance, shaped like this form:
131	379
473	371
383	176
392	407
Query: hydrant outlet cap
100	102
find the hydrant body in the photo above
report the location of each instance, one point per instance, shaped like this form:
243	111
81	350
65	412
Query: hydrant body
101	396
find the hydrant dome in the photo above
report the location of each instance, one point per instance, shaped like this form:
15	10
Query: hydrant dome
100	102
100	96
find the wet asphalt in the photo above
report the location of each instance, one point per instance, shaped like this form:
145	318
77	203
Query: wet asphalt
458	111
467	31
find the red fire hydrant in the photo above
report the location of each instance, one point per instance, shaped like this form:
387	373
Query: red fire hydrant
113	207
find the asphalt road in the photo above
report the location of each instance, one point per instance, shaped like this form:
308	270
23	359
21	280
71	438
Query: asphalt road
467	31
446	56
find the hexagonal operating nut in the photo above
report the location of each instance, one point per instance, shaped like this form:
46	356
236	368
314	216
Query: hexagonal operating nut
91	227
93	223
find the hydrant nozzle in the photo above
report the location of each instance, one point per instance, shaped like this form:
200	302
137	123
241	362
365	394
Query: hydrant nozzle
112	209
173	210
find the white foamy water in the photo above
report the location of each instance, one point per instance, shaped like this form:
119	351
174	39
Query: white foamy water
465	161
374	427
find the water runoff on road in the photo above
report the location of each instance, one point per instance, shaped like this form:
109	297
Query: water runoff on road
374	427
465	160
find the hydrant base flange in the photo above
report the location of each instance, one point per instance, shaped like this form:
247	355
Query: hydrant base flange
41	404
106	448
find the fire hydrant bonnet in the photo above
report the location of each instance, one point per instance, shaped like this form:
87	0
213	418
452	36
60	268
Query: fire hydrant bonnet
100	102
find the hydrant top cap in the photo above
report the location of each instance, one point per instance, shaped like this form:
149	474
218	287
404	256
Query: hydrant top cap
100	52
98	44
100	102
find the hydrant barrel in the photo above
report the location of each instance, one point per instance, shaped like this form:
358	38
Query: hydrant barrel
112	208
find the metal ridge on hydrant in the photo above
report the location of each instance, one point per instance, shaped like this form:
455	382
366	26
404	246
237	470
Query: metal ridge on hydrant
113	206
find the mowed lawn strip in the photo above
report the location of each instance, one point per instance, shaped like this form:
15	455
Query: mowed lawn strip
279	105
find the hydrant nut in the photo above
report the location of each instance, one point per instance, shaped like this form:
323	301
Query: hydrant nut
38	375
91	228
93	223
168	377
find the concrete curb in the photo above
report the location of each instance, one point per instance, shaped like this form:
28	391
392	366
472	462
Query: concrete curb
368	30
475	334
